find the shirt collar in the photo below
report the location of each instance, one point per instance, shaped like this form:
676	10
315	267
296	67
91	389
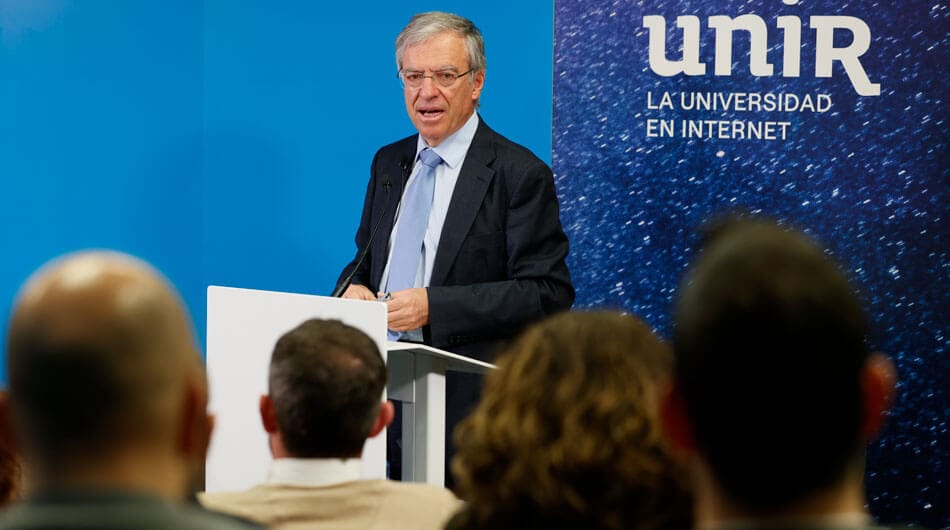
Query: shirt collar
453	148
314	472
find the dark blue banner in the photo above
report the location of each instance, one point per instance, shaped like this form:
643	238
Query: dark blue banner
827	115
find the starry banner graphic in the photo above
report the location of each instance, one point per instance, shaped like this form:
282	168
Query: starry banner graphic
826	115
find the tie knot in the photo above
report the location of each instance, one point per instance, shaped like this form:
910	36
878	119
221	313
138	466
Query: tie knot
430	157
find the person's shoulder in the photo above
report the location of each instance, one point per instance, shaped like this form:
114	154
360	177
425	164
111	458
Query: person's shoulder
199	517
414	490
242	502
206	498
411	505
398	148
137	513
507	149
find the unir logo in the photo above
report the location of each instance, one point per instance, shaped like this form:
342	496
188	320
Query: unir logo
825	51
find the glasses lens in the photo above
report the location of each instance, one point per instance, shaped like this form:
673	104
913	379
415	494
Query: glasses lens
445	78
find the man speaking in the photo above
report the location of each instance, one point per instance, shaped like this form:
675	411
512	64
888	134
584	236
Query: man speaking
469	247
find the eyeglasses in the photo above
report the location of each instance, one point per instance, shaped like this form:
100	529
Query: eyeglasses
445	78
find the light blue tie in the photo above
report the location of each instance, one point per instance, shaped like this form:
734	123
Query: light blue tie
411	227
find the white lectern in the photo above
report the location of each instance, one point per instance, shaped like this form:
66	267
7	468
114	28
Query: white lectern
417	378
244	324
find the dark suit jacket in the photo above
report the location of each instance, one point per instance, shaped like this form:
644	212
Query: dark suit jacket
501	257
107	510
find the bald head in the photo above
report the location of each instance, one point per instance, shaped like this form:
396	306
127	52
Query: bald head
99	350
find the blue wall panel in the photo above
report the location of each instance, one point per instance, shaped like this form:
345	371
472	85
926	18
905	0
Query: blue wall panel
227	142
100	134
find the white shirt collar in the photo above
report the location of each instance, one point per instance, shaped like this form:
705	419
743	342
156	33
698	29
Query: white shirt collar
314	472
453	148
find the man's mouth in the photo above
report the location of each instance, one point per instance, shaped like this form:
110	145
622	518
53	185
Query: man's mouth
430	113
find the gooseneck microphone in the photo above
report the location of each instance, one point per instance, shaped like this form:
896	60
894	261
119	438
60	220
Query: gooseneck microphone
387	185
338	292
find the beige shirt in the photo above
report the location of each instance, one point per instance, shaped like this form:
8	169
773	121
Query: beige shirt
370	504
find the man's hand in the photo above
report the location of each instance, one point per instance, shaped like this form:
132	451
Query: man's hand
408	309
358	292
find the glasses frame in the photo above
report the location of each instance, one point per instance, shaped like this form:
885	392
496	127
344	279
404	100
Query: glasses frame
432	76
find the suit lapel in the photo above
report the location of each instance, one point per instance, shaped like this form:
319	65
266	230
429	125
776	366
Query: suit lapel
470	188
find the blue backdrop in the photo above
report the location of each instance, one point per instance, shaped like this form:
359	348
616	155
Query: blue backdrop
226	142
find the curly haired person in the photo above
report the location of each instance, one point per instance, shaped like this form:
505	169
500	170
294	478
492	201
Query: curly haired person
567	433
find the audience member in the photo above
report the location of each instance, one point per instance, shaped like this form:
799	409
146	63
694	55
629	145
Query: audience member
567	433
324	400
775	392
11	482
106	399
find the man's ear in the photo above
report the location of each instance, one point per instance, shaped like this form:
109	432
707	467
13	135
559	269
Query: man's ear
478	82
268	414
384	418
878	380
676	425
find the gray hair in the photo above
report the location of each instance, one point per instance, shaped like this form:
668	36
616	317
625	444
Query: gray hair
424	26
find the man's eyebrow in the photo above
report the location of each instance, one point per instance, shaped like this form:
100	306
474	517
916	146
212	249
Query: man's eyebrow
445	68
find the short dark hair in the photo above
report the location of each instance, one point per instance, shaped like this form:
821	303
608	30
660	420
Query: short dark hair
769	343
326	382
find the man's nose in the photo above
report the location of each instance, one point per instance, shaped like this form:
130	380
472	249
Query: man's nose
429	87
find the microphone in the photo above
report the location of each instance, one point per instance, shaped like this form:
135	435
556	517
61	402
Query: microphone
387	185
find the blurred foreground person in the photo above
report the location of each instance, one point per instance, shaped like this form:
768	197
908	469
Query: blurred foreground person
11	471
106	398
324	400
567	433
776	393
